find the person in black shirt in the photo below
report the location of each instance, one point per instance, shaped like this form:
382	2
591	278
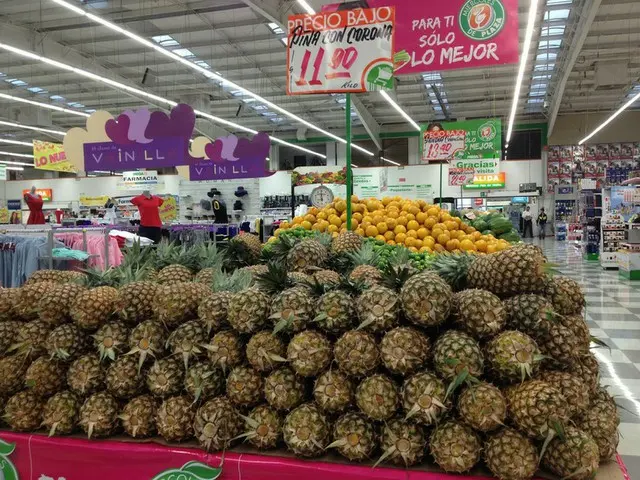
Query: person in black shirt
542	222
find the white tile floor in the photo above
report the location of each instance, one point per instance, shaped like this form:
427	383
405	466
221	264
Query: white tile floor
613	315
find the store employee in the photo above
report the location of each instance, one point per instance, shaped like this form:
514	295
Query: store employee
149	208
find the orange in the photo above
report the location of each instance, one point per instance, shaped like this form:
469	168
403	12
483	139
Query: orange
400	237
380	238
402	220
413	209
343	217
433	211
354	224
413	249
451	225
412	234
306	225
436	232
445	216
377	219
331	211
322	215
470	229
310	218
476	235
413	225
357	216
467	245
439	248
400	229
335	220
410	216
360	232
417	243
313	211
443	238
491	248
334	235
277	232
391	242
408	242
333	228
429	242
391	223
392	214
341	206
297	220
386	201
389	235
430	222
421	217
481	245
355	199
371	231
422	233
372	205
284	225
382	227
316	227
425	250
364	225
453	245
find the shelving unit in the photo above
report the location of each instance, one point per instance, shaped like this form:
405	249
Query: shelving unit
613	236
591	216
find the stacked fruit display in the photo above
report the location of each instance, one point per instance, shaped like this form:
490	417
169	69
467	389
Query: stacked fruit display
482	358
415	224
491	223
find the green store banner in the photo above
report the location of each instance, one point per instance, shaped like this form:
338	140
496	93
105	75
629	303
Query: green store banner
473	144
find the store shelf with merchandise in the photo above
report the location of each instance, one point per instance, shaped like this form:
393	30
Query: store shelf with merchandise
612	237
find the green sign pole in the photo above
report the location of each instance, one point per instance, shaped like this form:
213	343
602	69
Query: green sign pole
349	173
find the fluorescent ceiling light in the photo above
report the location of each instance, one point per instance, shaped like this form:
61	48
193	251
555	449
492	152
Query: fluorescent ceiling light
136	91
533	12
19	169
16	163
15	142
25	155
42	105
185	61
390	161
29	127
617	113
307	8
397	107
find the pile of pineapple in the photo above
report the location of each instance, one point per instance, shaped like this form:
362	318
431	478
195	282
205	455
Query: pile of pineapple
482	359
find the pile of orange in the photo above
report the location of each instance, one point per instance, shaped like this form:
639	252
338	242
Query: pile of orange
415	224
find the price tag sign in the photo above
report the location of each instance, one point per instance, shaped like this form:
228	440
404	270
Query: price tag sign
459	177
341	52
443	144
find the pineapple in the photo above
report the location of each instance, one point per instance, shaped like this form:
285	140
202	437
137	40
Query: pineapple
249	310
206	276
587	369
357	353
45	376
217	423
307	254
31	340
580	330
284	390
265	351
210	263
9	298
333	392
147	340
354	437
245	387
174	419
178	302
537	409
138	417
61	412
424	398
111	340
529	313
483	407
254	271
346	242
203	382
186	341
455	447
575	456
453	269
325	278
55	276
136	301
175	264
67	342
402	442
377	397
300	277
99	415
23	411
12	370
8	334
601	421
93	308
123	380
510	455
225	350
479	313
565	294
263	427
365	262
251	244
174	273
306	431
572	389
560	344
426	299
214	307
165	378
292	309
85	375
26	305
513	356
404	350
309	353
516	270
54	305
456	351
335	312
378	309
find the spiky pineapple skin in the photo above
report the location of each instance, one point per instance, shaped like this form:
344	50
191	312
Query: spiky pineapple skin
309	353
32	338
165	378
512	356
377	397
454	351
172	274
67	342
478	312
586	368
426	299
176	303
86	375
110	340
186	341
424	398
307	254
8	335
23	411
45	376
357	353
147	340
12	370
213	310
93	308
378	309
225	350
55	276
529	313
333	391
284	390
123	380
483	407
346	242
367	274
27	302
404	350
9	298
249	310
601	420
138	417
335	312
572	389
560	344
203	381
511	455
265	351
136	301
295	307
306	431
216	424
326	277
408	439
269	431
174	419
99	415
54	306
357	437
565	294
455	447
577	456
61	413
245	387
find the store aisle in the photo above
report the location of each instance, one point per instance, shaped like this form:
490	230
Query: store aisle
613	315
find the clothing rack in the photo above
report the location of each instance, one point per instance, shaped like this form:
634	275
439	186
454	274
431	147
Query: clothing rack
20	231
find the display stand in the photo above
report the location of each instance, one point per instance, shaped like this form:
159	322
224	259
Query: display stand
37	456
613	235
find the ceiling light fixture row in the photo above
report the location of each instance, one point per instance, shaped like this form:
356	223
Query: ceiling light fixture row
207	73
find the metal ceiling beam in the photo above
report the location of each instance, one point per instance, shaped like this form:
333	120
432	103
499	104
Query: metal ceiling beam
370	124
587	15
270	10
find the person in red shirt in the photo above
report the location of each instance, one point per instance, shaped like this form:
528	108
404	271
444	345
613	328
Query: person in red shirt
150	223
35	203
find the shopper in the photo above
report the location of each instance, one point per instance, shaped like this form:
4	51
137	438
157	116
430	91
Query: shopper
111	211
150	223
527	219
542	222
35	203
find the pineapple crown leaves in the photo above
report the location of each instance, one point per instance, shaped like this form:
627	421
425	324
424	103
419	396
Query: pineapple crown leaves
209	256
394	277
95	277
453	268
237	281
237	255
464	376
390	451
366	255
136	256
274	280
555	429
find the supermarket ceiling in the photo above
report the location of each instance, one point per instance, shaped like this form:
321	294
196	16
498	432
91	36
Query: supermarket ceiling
583	59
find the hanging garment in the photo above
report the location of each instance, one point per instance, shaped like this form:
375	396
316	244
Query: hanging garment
35	203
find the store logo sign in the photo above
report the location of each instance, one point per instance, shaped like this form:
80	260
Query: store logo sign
190	471
482	19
